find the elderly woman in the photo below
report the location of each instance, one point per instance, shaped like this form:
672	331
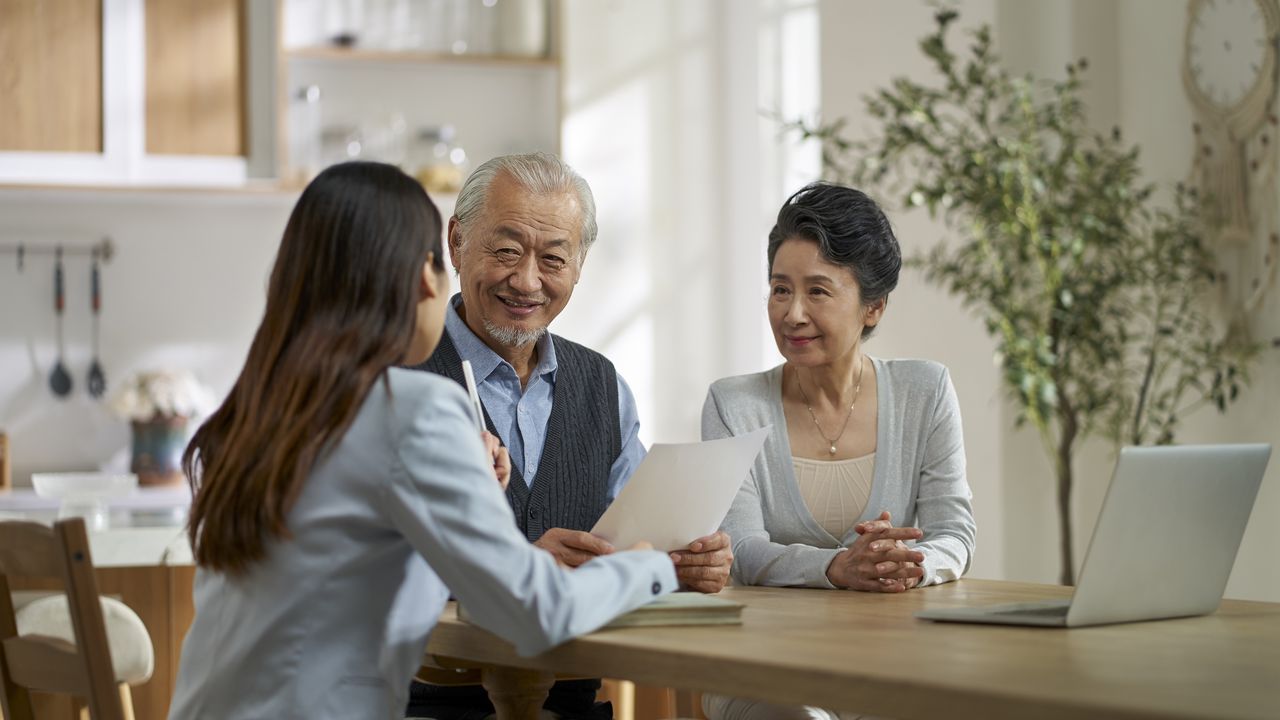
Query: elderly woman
858	443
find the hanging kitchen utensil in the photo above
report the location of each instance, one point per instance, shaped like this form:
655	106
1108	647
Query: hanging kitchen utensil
59	379
97	379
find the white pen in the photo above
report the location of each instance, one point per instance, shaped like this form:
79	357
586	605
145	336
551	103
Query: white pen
474	394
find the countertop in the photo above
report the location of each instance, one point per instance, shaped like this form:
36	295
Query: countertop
147	527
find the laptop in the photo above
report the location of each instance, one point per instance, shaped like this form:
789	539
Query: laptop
1163	546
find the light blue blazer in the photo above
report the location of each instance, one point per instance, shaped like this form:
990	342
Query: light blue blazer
333	623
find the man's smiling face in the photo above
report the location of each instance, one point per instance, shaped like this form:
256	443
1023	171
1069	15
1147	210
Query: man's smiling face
518	262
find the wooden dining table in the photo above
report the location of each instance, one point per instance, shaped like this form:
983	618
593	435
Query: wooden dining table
866	653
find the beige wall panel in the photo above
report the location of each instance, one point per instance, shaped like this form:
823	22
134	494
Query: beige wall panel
51	75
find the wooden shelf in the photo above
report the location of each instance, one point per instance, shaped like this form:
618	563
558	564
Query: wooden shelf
419	57
262	188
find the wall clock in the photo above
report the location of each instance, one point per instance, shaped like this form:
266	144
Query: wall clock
1229	71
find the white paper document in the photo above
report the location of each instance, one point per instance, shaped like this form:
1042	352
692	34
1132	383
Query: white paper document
680	492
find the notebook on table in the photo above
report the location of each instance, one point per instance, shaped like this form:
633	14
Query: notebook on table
682	608
1163	547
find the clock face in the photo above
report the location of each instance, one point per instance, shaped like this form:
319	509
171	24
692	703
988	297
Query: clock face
1227	46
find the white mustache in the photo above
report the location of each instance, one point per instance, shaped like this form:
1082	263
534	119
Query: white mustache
522	299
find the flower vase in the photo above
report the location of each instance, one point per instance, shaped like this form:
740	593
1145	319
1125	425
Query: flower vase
158	445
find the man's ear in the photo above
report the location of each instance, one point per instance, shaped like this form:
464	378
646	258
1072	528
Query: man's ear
430	279
455	243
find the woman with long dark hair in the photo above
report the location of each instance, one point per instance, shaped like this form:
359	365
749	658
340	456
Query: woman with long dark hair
338	499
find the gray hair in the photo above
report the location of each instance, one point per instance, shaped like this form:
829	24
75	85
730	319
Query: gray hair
537	172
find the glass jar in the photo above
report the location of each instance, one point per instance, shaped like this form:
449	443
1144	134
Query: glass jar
522	28
458	26
340	143
432	20
386	140
482	19
343	21
440	164
304	134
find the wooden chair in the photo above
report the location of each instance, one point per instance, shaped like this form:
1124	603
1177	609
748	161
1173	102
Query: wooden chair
47	664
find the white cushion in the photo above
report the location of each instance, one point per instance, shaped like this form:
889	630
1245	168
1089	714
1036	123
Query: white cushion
132	655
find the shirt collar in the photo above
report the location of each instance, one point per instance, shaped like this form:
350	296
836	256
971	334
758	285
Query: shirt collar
483	359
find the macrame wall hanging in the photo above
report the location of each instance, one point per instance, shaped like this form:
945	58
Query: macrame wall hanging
1230	75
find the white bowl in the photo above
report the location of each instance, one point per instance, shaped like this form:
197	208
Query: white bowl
83	485
84	494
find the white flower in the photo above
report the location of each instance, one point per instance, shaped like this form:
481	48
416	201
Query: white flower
161	392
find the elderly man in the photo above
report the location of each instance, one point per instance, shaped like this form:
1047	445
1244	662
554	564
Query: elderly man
518	238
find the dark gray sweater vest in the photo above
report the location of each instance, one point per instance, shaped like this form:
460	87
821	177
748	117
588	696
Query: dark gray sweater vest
583	440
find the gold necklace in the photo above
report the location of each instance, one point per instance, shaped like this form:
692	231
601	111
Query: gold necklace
831	442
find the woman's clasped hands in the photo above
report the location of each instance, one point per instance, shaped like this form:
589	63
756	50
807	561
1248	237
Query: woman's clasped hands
879	560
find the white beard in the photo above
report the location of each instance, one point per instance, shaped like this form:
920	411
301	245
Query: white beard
513	337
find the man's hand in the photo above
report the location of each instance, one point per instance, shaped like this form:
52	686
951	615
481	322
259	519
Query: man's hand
704	565
879	560
499	456
571	548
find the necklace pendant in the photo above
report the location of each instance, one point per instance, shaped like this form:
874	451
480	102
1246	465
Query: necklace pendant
833	448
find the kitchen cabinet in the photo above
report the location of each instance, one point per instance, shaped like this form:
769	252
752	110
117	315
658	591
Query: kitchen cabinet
123	92
51	75
204	93
194	81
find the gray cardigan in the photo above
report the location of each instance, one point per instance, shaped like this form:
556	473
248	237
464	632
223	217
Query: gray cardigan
919	477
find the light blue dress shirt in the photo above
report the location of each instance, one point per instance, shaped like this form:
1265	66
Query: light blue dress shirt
521	414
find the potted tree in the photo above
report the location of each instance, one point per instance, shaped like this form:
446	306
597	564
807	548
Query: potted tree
1091	288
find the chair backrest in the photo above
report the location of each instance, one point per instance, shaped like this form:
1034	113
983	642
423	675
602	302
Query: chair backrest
45	664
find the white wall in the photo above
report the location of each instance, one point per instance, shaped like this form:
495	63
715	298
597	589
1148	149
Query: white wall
662	115
185	289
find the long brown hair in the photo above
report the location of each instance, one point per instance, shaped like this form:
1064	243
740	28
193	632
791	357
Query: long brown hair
341	309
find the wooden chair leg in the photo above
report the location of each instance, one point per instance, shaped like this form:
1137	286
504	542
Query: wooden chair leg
126	704
126	701
689	704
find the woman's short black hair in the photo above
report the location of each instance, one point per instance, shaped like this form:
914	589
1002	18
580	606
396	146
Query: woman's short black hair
850	229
